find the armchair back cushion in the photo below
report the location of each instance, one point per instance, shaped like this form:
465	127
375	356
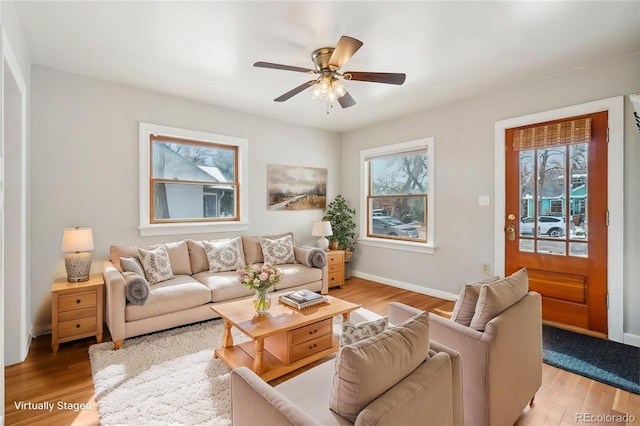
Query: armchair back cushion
362	370
498	296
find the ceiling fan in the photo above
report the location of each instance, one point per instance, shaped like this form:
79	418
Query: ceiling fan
327	84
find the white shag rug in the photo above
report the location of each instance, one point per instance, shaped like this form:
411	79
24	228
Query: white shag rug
168	378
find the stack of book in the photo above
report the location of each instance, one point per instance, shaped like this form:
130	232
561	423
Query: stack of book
302	299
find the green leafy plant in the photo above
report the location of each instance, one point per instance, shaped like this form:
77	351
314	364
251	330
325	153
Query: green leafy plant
341	215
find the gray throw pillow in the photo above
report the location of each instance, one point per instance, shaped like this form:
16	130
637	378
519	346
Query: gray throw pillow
352	333
131	264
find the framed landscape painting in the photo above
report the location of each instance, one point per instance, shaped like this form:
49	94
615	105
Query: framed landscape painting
296	188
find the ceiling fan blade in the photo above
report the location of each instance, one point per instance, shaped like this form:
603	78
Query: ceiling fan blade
283	67
291	93
375	77
345	49
346	100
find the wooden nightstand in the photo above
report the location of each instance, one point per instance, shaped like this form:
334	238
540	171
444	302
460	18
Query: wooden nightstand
76	310
335	263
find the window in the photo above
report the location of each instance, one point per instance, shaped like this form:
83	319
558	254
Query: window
398	195
190	181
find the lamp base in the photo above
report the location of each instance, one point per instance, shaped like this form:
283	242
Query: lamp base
78	266
322	243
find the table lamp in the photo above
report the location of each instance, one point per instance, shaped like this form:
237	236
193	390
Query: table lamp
76	242
322	229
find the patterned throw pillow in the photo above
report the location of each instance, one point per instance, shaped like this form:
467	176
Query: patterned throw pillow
156	264
278	251
224	255
352	333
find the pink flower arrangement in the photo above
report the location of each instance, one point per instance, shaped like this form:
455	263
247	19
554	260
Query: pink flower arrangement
259	276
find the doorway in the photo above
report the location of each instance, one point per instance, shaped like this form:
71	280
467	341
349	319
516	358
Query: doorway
531	222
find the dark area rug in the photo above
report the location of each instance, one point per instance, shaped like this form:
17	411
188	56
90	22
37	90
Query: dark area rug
603	360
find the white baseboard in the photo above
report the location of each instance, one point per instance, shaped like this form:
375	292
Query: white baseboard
406	286
632	339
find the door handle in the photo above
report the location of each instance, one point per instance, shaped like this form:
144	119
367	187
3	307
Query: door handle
511	233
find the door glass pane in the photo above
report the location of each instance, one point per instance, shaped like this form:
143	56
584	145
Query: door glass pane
526	245
578	249
527	179
551	194
578	187
551	247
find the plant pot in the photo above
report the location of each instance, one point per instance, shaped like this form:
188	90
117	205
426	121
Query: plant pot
333	245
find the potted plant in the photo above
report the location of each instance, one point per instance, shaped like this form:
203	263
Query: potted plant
341	215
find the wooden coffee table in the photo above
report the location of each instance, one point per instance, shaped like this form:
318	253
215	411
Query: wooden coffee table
282	340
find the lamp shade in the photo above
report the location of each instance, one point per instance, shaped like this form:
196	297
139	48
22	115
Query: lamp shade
77	239
321	229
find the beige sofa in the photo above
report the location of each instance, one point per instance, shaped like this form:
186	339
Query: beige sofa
187	297
501	362
358	387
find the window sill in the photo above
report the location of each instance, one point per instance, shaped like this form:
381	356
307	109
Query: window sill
397	245
191	228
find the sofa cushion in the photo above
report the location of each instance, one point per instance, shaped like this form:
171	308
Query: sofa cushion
156	264
498	296
179	257
362	370
131	264
352	332
177	294
294	275
116	252
223	285
465	306
252	249
224	255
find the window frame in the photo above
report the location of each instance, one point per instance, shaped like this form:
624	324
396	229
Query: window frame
427	246
147	226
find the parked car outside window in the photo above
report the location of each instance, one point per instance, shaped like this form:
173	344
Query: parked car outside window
387	225
552	226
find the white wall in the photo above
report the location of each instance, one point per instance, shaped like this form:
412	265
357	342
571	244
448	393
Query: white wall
84	166
464	146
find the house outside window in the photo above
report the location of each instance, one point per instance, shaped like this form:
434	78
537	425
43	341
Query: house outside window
190	181
398	195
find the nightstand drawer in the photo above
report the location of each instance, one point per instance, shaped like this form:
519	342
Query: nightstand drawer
311	347
91	312
336	268
334	258
311	331
77	327
336	278
77	301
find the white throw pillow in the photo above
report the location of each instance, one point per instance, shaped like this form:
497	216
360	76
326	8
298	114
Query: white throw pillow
278	251
352	333
224	255
156	264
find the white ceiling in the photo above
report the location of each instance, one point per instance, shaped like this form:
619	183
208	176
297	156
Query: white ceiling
205	50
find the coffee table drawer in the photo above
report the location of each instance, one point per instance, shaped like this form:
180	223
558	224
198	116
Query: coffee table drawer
311	347
311	331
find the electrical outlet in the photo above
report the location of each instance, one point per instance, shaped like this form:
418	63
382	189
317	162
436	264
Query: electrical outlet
486	268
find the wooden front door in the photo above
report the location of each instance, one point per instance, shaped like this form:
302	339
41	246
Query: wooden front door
556	216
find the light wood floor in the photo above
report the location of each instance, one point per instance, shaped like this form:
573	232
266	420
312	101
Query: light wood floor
66	376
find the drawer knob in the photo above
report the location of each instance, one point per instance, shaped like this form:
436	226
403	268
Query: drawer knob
77	325
313	346
313	331
78	300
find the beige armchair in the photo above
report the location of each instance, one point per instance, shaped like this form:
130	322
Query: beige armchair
428	395
501	366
